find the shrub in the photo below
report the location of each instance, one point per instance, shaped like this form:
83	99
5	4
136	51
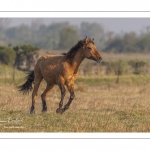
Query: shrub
138	66
7	55
117	67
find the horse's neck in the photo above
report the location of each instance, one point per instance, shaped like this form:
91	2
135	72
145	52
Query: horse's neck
77	60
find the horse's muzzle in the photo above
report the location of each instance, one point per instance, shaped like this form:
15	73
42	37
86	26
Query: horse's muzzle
98	59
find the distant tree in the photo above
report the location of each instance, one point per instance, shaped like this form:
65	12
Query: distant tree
138	66
7	55
109	36
21	34
93	30
68	37
48	37
130	42
36	23
115	45
27	54
126	43
143	41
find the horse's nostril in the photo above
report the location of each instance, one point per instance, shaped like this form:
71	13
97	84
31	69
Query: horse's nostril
100	58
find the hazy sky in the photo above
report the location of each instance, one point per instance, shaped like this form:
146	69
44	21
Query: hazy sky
117	25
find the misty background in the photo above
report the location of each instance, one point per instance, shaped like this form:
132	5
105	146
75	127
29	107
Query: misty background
117	25
110	34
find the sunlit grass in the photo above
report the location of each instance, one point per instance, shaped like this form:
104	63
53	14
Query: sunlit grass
101	105
9	74
111	79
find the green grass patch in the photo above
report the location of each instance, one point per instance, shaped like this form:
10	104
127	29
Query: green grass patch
74	121
108	80
10	75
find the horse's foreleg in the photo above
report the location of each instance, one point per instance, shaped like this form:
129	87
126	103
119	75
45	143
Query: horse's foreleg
63	93
43	96
70	87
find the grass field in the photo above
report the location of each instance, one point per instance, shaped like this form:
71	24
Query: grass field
100	105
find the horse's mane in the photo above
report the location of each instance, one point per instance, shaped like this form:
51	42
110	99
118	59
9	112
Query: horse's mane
75	48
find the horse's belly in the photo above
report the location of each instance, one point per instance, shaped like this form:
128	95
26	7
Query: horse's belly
49	76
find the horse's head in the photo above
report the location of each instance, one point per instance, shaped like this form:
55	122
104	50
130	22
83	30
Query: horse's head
90	50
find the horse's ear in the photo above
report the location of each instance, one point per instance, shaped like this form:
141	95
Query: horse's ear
86	40
93	40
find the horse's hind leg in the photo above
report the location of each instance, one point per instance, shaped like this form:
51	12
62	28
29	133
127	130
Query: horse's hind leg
37	82
43	96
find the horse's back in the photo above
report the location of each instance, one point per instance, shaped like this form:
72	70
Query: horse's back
50	58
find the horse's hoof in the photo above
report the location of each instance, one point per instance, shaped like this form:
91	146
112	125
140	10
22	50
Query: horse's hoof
32	112
44	110
59	111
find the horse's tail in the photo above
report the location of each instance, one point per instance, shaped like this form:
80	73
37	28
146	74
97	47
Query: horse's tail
27	86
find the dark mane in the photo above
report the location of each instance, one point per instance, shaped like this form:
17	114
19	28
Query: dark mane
75	48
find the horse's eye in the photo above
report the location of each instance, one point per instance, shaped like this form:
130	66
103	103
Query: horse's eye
89	48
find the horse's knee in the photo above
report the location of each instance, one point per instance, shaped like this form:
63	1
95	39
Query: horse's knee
34	94
60	104
72	96
63	92
42	96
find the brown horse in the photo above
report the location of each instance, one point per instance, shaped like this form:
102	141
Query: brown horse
60	70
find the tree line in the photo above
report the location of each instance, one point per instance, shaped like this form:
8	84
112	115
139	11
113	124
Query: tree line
62	35
56	36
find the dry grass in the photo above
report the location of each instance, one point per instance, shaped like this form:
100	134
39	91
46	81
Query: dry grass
125	56
106	107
